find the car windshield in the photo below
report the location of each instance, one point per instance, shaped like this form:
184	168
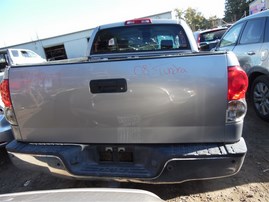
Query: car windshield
140	38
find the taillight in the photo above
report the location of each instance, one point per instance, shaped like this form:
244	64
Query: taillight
138	21
237	83
5	93
237	88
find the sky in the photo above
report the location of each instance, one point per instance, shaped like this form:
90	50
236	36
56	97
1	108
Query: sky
28	20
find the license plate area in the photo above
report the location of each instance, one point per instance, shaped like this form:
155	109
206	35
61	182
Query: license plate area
115	154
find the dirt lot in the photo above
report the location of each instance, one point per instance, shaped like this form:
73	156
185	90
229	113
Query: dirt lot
250	184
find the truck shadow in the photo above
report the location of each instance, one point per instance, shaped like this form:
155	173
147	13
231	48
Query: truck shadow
3	157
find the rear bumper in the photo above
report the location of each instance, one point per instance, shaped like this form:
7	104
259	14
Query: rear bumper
137	163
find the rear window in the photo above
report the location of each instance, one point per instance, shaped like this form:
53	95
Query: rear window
211	36
15	53
140	38
28	54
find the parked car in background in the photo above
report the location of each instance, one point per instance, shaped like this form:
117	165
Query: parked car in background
5	129
19	56
208	39
249	40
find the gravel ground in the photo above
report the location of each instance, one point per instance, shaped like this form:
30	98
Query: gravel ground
250	184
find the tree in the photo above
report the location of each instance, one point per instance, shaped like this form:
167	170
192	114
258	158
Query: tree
236	9
213	21
195	19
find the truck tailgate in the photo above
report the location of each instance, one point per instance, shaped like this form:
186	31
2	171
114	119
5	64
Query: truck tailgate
178	99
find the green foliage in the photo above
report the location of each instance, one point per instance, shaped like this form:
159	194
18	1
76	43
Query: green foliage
236	9
195	19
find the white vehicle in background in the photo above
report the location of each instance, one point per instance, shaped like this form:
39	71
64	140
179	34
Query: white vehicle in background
19	56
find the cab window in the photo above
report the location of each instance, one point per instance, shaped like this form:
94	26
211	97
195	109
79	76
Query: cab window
28	54
231	36
15	53
253	31
153	37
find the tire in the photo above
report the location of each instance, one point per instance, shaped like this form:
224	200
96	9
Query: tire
260	97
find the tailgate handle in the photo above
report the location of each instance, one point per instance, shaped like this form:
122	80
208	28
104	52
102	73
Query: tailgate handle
108	86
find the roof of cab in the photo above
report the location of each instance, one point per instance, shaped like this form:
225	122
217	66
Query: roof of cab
153	21
256	15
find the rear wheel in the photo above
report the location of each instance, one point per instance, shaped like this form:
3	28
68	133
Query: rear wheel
260	97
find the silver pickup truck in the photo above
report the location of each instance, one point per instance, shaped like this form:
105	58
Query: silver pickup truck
144	106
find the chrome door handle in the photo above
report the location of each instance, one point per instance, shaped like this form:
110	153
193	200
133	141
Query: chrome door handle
251	53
